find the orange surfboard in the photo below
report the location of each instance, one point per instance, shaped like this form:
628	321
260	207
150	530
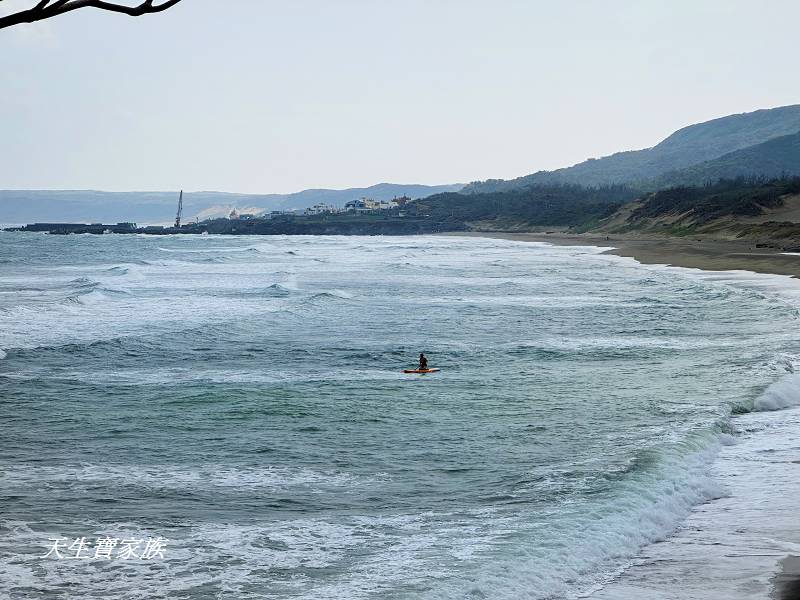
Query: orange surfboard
421	371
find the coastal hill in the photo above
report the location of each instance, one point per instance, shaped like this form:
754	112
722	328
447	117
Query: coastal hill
774	158
25	206
687	147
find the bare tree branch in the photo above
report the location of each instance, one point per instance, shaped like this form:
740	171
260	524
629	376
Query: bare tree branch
45	9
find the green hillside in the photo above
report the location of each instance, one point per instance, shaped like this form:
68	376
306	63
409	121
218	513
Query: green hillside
685	148
774	158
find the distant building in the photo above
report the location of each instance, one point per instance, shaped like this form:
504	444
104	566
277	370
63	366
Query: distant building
233	216
355	206
319	209
362	205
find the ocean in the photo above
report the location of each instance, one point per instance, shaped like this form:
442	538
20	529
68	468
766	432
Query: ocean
599	427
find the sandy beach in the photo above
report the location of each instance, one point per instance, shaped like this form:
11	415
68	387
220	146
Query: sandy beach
709	255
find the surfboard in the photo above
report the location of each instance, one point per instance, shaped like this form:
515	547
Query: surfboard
421	371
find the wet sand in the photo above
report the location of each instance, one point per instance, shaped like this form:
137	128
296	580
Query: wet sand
709	255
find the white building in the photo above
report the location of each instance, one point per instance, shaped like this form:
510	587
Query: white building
320	209
362	205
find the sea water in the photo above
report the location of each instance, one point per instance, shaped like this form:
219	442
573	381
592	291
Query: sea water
242	398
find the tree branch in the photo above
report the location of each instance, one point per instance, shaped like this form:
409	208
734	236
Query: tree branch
45	9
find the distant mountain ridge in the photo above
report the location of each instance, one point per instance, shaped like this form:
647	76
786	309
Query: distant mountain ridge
27	206
683	149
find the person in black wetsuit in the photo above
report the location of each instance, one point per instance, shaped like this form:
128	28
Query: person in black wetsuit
423	362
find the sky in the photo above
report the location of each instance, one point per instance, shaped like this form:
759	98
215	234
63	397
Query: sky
263	96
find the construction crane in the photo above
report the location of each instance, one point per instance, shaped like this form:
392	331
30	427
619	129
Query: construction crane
180	210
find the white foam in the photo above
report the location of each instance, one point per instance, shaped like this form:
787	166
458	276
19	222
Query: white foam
646	508
784	393
209	250
731	546
91	298
180	477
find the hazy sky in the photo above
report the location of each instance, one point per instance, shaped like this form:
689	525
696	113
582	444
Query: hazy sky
278	96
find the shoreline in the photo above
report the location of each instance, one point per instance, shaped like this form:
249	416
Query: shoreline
742	545
754	554
704	254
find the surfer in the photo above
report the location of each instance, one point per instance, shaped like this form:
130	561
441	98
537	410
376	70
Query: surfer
423	366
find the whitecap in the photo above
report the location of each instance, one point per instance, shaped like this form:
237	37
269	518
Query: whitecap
784	393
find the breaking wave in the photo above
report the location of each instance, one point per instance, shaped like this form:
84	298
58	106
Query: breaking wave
784	393
276	289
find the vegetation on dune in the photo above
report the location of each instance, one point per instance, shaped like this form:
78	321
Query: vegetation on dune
700	205
554	205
